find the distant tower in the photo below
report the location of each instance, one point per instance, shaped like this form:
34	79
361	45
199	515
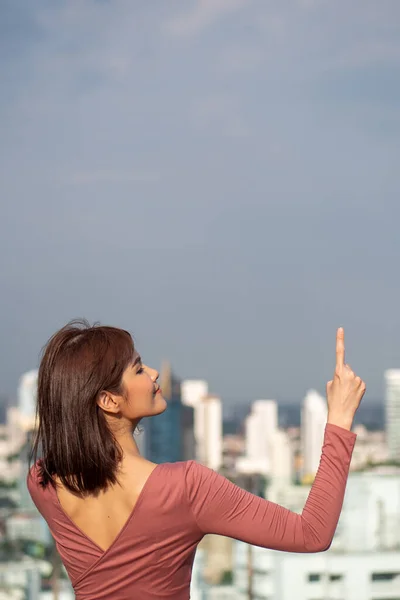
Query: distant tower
209	415
392	406
260	428
27	397
281	466
169	436
313	420
268	449
193	392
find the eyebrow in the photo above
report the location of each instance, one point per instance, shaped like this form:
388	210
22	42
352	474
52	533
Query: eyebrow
137	360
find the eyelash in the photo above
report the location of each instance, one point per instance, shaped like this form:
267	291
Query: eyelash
140	370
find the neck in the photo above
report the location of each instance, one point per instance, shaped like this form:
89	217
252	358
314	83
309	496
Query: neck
123	434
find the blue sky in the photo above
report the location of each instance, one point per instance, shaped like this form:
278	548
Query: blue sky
218	176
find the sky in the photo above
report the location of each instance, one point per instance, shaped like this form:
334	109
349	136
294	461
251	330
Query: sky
217	176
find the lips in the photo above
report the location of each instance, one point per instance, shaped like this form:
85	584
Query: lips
157	390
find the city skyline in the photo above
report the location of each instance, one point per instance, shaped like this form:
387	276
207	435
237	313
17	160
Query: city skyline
220	178
229	402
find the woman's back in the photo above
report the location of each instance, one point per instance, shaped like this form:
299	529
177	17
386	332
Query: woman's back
152	554
103	515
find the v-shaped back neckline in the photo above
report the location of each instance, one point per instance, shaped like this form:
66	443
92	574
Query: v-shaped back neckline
139	499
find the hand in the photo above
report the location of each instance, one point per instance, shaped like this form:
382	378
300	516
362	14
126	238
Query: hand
344	393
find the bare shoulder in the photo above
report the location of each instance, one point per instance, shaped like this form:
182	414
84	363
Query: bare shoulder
134	472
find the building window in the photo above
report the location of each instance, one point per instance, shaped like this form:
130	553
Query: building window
384	576
313	577
335	577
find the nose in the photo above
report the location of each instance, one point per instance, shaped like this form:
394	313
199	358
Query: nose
154	374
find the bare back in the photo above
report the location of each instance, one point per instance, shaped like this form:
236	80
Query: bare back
101	517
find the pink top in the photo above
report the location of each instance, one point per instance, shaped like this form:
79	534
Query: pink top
152	556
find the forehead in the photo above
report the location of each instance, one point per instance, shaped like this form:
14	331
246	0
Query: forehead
136	358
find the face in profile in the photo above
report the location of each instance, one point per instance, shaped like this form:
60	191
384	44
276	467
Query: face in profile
142	392
141	395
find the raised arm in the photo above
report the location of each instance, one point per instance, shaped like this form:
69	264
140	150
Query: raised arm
220	507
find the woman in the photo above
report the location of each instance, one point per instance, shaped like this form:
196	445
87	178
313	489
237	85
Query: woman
128	529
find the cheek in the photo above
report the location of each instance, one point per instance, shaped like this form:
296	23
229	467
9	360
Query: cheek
143	390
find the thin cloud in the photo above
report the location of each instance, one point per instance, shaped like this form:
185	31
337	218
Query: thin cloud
370	53
204	14
219	112
94	177
235	59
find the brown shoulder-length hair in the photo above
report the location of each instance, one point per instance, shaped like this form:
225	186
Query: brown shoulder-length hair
73	438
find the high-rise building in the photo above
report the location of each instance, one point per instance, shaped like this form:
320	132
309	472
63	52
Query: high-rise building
268	449
313	420
392	406
281	461
27	395
261	427
209	418
169	436
193	392
188	437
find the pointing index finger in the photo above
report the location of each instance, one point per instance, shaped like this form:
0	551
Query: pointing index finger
340	347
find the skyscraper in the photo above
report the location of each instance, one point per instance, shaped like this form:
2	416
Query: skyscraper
27	393
392	407
313	420
281	462
193	392
169	436
209	418
261	430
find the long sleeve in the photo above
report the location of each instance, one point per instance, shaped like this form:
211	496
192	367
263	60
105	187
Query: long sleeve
220	507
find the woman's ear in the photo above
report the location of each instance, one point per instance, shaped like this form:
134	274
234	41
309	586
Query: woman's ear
108	402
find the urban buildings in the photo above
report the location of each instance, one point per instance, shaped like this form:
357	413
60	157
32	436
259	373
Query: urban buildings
268	449
27	393
207	421
169	436
362	563
193	392
392	405
313	421
209	441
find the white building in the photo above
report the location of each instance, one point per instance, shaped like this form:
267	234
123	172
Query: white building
336	576
267	449
362	563
392	402
209	429
313	421
27	395
281	458
193	391
261	426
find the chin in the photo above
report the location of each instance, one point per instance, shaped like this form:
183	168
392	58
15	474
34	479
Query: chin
160	404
